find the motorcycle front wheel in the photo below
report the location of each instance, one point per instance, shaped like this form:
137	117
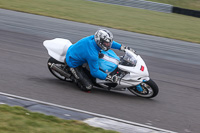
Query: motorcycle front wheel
150	89
56	74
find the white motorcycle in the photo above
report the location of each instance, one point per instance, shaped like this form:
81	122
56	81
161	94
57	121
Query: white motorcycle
130	68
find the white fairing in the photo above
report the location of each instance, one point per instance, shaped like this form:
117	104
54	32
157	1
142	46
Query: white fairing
137	74
57	48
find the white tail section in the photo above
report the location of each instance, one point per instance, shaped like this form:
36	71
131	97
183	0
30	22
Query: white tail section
57	48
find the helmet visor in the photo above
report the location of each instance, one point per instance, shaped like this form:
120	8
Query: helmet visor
107	44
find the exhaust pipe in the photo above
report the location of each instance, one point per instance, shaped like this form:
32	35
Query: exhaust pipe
58	70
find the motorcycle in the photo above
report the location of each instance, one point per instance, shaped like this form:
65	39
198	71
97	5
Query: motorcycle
130	68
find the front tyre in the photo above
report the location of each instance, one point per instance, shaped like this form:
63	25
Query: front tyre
150	89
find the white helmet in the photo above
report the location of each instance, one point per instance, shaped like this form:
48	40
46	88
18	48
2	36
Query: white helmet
104	39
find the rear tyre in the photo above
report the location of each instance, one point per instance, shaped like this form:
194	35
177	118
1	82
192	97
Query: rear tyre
150	89
56	74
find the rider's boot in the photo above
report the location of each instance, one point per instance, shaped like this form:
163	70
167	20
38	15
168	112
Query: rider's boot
85	83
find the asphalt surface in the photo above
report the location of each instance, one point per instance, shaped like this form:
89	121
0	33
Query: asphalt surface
174	65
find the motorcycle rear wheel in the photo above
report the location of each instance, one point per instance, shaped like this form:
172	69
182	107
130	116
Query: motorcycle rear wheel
56	74
150	89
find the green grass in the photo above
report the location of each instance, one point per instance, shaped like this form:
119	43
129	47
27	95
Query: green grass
19	120
188	4
126	18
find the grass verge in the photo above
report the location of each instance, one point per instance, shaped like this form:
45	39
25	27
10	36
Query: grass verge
126	18
19	120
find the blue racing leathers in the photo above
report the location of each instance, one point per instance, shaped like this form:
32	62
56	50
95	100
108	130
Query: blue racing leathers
87	51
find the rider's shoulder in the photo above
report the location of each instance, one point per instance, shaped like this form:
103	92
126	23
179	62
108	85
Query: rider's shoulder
86	39
89	37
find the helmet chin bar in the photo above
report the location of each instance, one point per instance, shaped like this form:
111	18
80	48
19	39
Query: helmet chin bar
104	47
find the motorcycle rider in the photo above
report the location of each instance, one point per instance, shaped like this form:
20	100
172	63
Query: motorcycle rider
87	50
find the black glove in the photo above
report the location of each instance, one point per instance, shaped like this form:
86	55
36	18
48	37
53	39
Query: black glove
113	78
126	47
